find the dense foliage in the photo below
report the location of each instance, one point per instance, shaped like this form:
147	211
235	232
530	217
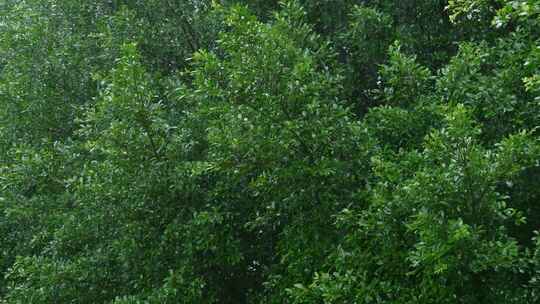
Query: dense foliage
336	151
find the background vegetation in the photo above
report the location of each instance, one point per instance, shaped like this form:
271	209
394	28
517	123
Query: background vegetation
336	151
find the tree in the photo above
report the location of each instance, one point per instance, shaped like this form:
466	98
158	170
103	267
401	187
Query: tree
269	152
